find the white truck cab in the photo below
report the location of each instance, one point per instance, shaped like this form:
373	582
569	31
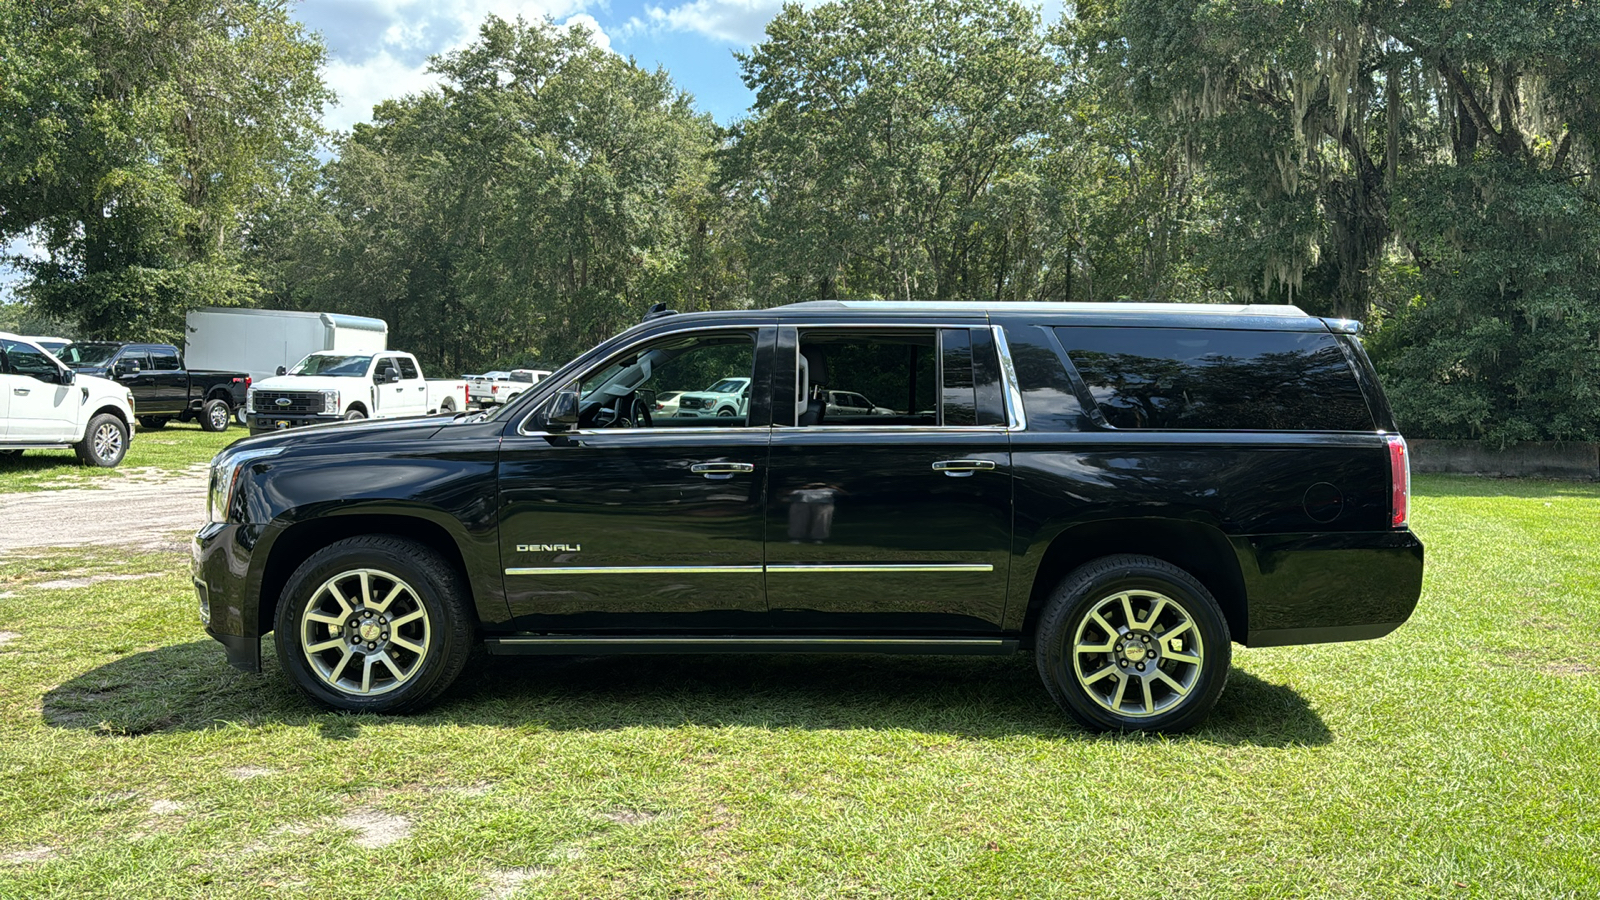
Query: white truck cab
330	386
46	406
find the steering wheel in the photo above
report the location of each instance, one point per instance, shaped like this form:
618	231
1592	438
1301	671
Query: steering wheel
641	413
629	412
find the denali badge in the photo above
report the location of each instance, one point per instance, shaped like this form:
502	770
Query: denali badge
549	548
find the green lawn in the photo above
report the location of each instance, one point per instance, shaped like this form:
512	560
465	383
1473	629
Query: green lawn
1457	757
164	451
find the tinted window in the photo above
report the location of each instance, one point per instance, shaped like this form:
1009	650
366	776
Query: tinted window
408	369
1208	379
708	374
1047	394
959	401
163	360
87	354
893	373
131	359
24	359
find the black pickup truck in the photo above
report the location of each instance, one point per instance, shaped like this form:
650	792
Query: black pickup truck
1125	490
162	387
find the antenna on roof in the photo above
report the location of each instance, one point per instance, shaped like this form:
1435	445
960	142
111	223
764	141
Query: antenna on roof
659	310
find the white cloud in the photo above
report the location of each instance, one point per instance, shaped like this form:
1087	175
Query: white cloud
735	21
379	49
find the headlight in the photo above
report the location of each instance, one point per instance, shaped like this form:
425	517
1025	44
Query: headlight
250	399
330	401
129	395
225	469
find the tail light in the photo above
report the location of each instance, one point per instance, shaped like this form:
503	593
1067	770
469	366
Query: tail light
1399	482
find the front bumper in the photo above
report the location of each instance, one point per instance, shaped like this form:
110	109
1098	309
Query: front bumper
261	423
227	588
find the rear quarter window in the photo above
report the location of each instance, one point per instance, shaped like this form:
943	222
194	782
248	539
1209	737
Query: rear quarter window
1193	379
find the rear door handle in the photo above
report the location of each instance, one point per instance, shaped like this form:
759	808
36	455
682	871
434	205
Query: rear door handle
963	468
722	471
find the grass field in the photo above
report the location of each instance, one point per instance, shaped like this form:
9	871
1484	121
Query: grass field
1458	757
167	450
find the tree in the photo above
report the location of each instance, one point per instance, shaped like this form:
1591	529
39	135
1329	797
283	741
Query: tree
890	149
1422	166
537	202
138	138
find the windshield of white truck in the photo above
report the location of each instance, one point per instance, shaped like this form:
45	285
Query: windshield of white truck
329	364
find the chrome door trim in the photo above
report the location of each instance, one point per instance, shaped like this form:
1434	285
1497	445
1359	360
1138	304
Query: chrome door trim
1016	416
630	570
881	567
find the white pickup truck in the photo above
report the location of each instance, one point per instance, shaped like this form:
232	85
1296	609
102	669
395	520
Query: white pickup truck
45	406
497	388
331	386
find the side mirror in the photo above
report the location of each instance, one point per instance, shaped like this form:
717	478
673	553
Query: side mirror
66	377
283	370
388	375
563	414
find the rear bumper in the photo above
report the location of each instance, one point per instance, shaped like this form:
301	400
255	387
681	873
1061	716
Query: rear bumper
1323	588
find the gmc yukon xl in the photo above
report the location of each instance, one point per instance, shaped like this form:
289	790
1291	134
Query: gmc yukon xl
1123	490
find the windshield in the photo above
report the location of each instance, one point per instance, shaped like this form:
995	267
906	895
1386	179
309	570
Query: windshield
726	386
332	364
87	354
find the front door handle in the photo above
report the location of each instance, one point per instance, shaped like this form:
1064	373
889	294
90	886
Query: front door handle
722	471
20	392
963	468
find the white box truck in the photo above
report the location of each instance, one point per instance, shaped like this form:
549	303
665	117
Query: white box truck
258	341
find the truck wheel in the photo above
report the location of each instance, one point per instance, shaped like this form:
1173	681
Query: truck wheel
9	455
215	415
727	412
354	415
448	406
374	624
104	442
1133	643
152	423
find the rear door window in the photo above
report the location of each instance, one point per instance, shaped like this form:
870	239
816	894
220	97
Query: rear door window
408	368
1178	378
163	360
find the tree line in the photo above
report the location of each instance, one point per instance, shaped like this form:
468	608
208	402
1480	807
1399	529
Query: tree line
1425	168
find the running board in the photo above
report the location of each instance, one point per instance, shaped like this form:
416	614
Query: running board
609	645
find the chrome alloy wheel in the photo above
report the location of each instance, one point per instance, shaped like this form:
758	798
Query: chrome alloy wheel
365	632
107	441
1137	653
219	417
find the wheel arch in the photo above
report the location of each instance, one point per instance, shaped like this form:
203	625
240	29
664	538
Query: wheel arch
355	405
113	409
301	539
1201	550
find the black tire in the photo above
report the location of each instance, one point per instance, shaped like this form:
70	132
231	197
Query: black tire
727	412
431	585
448	406
105	442
10	455
216	415
354	415
152	423
1184	679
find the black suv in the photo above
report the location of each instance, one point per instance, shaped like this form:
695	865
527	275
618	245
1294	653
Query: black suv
1123	489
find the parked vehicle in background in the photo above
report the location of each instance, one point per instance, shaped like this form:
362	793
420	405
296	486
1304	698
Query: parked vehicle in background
666	404
516	381
727	398
332	387
45	405
1122	489
259	341
52	344
853	404
479	387
163	388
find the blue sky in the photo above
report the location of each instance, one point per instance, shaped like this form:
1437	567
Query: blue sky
379	48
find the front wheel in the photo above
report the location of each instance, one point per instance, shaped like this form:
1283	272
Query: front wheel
152	423
105	442
354	415
374	624
215	415
1133	643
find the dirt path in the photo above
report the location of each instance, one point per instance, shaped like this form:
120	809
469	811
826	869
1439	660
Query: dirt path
142	511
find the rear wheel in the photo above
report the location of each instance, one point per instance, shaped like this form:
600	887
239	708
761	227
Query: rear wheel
374	624
104	442
215	415
1133	643
152	423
